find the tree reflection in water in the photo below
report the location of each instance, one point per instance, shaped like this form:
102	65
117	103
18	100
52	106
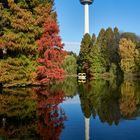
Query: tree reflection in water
18	110
51	117
35	113
110	101
129	100
31	113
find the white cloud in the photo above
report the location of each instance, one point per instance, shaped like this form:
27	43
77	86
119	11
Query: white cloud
71	43
72	46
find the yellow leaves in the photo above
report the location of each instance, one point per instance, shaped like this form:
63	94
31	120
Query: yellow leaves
20	18
127	48
42	13
128	54
18	41
10	2
16	70
1	6
13	6
22	21
128	65
9	41
40	9
128	101
128	88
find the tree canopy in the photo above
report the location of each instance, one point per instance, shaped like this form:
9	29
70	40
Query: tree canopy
29	34
111	53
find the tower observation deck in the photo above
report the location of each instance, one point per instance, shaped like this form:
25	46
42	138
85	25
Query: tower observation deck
86	2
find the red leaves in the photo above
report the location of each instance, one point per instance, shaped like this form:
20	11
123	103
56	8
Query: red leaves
51	54
51	116
50	37
51	27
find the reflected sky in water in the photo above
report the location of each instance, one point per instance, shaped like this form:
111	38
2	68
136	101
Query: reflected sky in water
75	129
74	100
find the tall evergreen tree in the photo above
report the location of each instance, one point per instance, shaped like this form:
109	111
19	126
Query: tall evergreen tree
97	62
108	41
115	56
101	37
102	42
83	59
94	38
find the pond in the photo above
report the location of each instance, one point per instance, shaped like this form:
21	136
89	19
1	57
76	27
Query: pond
97	110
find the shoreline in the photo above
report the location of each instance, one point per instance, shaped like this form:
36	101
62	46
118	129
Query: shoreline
104	76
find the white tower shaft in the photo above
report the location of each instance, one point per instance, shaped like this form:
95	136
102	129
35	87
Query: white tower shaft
87	122
86	7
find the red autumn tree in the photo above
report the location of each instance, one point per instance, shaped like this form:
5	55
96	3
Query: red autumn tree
51	54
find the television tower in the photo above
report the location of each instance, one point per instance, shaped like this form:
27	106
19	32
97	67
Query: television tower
86	4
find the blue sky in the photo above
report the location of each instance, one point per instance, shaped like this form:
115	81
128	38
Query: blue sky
124	14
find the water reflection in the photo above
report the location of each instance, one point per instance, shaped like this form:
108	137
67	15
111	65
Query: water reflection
51	117
130	99
17	114
32	113
111	102
37	113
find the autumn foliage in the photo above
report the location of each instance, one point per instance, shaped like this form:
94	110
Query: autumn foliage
51	54
51	116
22	23
128	54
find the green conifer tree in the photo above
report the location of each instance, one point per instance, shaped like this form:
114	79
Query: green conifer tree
97	62
83	58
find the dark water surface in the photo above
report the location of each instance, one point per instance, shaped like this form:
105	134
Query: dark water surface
98	110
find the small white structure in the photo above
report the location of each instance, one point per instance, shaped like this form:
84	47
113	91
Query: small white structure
81	77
